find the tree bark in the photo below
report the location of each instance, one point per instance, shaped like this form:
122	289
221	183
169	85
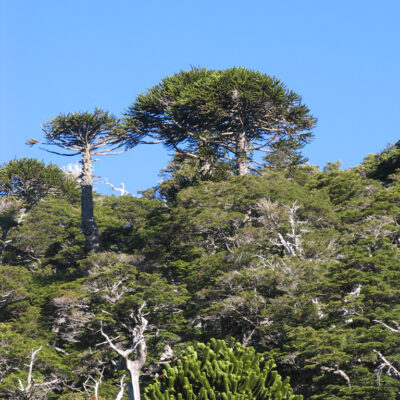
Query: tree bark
134	367
88	224
242	148
134	387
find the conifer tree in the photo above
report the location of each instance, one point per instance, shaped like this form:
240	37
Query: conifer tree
88	135
212	115
216	371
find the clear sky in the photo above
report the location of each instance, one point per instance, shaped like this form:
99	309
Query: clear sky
60	56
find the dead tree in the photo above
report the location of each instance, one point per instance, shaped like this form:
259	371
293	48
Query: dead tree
92	386
137	348
30	389
273	217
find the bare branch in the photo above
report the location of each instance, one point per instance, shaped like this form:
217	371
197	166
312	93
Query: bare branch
122	388
60	154
138	345
387	326
108	152
152	142
122	353
391	370
121	189
29	378
93	387
338	372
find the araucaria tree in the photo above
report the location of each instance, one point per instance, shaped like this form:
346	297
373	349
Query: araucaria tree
217	371
86	134
220	115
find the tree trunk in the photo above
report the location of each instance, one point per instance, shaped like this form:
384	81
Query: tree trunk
242	148
88	225
134	367
133	387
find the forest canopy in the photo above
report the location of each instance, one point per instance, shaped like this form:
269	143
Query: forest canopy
226	280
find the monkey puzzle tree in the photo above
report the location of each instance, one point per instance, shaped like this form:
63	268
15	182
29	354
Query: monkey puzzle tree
217	371
86	134
226	114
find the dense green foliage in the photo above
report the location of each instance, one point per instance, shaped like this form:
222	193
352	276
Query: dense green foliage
30	181
385	165
303	266
214	115
299	264
216	371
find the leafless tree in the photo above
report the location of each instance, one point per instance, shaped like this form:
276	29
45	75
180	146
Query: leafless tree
92	386
137	348
32	390
71	315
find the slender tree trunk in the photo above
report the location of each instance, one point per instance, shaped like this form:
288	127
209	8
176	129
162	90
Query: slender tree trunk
242	148
89	227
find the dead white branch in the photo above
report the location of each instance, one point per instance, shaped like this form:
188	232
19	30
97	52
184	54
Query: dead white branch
122	388
273	218
387	326
92	385
32	389
337	371
121	190
138	346
27	387
390	369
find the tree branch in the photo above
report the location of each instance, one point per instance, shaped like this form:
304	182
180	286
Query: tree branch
387	326
60	154
338	372
385	364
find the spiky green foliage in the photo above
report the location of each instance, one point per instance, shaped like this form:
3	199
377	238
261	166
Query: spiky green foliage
75	131
216	371
212	114
88	135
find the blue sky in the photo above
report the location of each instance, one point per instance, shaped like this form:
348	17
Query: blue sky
342	57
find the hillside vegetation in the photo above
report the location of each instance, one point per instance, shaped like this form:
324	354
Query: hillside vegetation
304	267
299	264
